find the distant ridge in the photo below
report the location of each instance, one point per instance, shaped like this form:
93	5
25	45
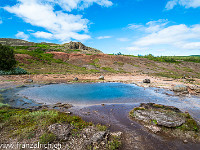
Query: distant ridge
15	42
71	45
195	55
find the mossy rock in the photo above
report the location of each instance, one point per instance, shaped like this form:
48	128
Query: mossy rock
170	120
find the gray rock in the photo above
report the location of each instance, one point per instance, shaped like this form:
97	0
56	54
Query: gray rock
146	81
15	42
162	118
79	46
101	78
97	137
29	81
76	79
60	105
180	88
154	129
116	134
61	131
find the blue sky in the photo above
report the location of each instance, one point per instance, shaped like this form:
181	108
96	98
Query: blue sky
159	27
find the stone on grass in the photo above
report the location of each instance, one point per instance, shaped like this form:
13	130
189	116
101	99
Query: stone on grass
180	88
76	79
29	81
146	81
101	78
61	131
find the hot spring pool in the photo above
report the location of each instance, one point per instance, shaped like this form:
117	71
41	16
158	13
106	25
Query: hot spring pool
97	93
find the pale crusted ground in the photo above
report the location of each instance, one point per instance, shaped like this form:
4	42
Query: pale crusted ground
160	82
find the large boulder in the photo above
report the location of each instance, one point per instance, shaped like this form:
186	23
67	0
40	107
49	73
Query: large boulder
180	88
160	118
167	116
167	120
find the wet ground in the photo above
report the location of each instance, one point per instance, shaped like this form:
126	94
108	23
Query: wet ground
135	136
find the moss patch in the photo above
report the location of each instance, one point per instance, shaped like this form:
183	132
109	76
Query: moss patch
114	143
47	138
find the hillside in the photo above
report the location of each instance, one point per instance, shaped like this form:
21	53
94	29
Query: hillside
61	63
74	57
75	47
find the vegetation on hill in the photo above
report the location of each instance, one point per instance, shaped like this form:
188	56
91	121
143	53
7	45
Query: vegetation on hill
43	58
7	58
8	62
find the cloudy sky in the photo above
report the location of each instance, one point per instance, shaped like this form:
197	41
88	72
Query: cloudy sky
159	27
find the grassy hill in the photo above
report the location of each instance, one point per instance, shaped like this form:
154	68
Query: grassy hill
49	58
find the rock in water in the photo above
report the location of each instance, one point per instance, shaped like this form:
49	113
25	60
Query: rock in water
146	81
101	78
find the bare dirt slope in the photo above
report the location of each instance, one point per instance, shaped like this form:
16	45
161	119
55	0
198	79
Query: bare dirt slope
123	64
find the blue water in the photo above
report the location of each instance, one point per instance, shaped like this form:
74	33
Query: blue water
98	93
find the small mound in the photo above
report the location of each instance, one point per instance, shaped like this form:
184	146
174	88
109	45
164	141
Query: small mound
166	119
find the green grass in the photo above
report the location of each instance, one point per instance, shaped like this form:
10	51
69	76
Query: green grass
171	74
119	63
168	59
3	105
23	123
44	63
95	63
190	125
115	143
109	69
101	127
47	138
1	98
172	59
38	54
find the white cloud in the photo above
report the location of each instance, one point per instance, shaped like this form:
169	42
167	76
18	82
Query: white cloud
104	37
69	5
134	26
180	37
123	39
185	3
154	26
61	25
41	34
22	35
136	48
177	35
149	27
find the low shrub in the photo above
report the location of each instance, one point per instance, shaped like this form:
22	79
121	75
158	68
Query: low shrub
15	71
